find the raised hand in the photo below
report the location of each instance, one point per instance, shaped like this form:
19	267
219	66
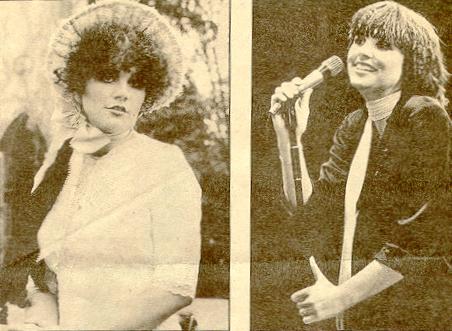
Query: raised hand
286	91
302	111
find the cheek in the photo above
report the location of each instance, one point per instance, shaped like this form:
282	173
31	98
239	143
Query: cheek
395	67
392	59
89	106
138	99
350	60
399	67
351	54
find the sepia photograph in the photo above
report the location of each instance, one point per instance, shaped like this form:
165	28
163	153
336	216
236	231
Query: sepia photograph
114	165
351	148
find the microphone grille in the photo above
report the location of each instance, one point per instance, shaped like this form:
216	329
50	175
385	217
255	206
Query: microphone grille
334	64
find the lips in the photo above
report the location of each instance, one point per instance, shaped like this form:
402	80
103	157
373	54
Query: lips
117	109
363	66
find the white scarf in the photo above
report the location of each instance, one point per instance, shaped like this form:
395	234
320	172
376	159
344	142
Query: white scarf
86	139
378	111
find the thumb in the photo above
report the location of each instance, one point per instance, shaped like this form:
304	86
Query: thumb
318	274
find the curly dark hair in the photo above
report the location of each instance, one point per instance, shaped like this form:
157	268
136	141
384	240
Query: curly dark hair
106	49
424	71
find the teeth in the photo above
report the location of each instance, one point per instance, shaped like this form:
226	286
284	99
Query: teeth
362	66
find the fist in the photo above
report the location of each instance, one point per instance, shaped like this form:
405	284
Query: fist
286	91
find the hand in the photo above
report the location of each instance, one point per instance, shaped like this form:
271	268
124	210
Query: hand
320	301
286	91
43	311
302	112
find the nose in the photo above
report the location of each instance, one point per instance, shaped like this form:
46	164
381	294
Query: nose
365	49
121	90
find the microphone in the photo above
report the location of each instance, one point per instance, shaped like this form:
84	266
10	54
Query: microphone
331	66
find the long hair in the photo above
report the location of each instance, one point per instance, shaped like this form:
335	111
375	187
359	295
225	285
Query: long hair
424	71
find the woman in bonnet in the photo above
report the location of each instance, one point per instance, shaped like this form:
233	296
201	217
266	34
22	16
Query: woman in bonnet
377	221
120	212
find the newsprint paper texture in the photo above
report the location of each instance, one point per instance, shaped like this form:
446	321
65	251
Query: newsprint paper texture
271	42
365	244
133	227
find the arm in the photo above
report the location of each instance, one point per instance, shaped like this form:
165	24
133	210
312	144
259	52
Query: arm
289	126
409	242
293	123
417	241
175	215
325	300
161	304
371	280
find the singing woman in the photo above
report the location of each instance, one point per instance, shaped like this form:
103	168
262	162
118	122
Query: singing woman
376	225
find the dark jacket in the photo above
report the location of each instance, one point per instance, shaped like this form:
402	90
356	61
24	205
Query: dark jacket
23	148
403	215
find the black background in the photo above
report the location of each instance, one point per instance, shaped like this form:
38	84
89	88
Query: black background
291	38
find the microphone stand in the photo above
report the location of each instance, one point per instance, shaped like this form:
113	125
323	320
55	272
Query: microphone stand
288	135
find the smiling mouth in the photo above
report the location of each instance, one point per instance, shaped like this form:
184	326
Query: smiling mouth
361	66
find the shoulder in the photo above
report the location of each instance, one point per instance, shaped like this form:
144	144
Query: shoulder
162	164
352	125
419	102
162	159
356	115
20	121
16	131
150	149
419	109
355	118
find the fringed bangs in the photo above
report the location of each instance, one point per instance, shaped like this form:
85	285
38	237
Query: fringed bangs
378	21
392	23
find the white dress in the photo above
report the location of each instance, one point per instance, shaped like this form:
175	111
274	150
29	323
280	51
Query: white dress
124	224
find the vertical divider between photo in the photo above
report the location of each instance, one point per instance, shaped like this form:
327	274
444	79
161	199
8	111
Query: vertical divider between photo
240	146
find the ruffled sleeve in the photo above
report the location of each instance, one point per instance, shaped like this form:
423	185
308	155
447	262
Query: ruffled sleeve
176	216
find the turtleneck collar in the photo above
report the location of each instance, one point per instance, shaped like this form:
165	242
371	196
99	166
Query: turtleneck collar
381	108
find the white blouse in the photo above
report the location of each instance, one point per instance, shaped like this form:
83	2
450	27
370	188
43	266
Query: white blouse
123	224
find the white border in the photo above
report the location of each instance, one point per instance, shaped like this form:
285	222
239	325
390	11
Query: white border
240	126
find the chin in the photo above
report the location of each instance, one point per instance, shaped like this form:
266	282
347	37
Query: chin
359	85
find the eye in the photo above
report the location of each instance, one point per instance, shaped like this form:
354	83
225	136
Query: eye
384	45
359	40
106	76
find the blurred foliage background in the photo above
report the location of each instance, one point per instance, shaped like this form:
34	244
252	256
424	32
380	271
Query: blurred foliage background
198	121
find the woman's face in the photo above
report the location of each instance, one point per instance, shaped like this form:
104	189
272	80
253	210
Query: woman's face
374	68
112	103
